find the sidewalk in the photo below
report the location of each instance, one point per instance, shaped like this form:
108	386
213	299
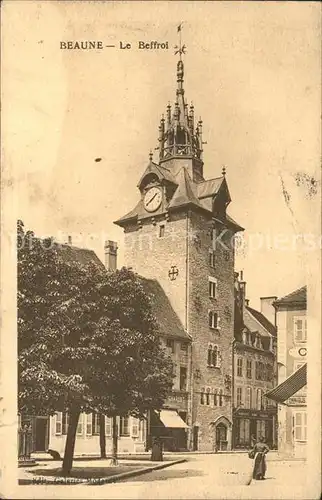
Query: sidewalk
89	471
147	454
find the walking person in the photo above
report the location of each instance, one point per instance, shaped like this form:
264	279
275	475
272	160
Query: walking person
259	454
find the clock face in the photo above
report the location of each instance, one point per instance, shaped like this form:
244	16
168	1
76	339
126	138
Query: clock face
152	199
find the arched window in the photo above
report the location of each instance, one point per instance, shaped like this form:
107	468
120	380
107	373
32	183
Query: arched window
215	398
208	396
209	355
220	397
202	396
259	399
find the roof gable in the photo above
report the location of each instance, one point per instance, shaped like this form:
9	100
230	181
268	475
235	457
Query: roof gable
298	297
161	172
253	325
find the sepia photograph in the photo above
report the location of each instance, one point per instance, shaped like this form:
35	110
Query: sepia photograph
160	250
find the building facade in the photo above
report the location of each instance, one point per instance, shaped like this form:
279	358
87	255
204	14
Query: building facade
291	357
180	234
254	368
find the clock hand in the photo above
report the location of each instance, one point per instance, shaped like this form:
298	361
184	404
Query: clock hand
148	203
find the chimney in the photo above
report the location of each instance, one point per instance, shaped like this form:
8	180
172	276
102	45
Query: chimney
267	308
242	289
110	249
240	294
70	240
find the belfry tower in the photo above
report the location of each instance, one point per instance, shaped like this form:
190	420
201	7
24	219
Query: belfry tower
180	140
180	234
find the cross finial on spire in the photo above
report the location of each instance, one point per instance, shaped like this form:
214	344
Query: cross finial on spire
223	170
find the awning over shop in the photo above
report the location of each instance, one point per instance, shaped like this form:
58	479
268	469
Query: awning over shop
290	386
171	419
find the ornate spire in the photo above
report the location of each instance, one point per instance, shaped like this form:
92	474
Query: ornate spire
180	137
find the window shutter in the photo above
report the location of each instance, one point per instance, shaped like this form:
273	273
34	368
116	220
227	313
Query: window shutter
108	426
80	424
89	424
135	427
58	422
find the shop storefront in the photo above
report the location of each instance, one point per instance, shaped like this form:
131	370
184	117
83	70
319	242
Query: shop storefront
250	425
169	425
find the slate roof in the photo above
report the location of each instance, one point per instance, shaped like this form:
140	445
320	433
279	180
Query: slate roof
82	255
209	187
296	297
133	214
263	321
170	324
252	323
184	194
187	193
290	386
231	221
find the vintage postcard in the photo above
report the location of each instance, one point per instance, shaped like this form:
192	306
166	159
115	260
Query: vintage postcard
160	250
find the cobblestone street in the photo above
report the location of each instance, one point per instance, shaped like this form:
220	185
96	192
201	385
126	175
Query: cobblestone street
202	477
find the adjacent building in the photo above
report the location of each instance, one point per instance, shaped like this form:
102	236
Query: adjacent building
254	372
292	377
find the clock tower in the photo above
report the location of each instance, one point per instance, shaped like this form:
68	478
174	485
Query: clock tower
180	234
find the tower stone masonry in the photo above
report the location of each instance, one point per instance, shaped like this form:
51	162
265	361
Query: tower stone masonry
180	234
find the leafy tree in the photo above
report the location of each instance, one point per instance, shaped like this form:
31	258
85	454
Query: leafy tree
87	339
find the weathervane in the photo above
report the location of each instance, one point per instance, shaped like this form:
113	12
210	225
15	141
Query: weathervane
180	49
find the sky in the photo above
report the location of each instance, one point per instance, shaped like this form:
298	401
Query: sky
252	70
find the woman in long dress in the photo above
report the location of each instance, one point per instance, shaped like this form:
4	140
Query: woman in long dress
260	450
